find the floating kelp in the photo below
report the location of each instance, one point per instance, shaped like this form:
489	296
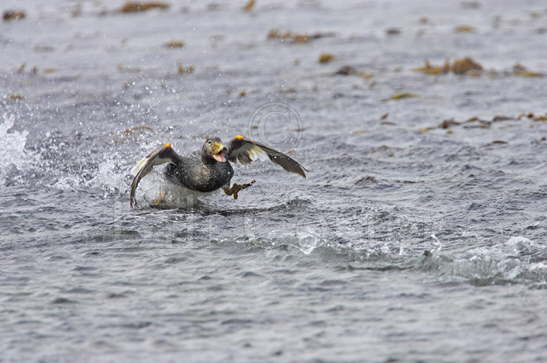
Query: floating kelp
249	5
325	57
22	68
464	29
433	70
464	66
477	122
185	69
349	70
137	7
15	97
296	38
446	124
174	44
10	15
468	66
346	71
401	96
532	117
502	118
393	31
522	71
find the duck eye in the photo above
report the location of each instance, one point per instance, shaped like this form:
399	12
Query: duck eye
209	142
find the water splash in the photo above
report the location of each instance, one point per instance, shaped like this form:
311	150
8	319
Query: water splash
13	156
105	170
307	240
110	175
519	259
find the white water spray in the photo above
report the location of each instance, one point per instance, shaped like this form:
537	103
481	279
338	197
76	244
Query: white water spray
12	148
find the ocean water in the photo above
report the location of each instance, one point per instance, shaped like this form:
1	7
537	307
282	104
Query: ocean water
407	242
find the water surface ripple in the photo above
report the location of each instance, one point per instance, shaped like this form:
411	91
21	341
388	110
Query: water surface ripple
406	243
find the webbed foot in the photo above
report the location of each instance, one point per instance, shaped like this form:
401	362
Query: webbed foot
236	188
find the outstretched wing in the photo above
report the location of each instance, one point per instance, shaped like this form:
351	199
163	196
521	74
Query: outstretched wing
161	155
246	151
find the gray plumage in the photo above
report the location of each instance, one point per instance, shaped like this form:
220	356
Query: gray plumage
192	173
